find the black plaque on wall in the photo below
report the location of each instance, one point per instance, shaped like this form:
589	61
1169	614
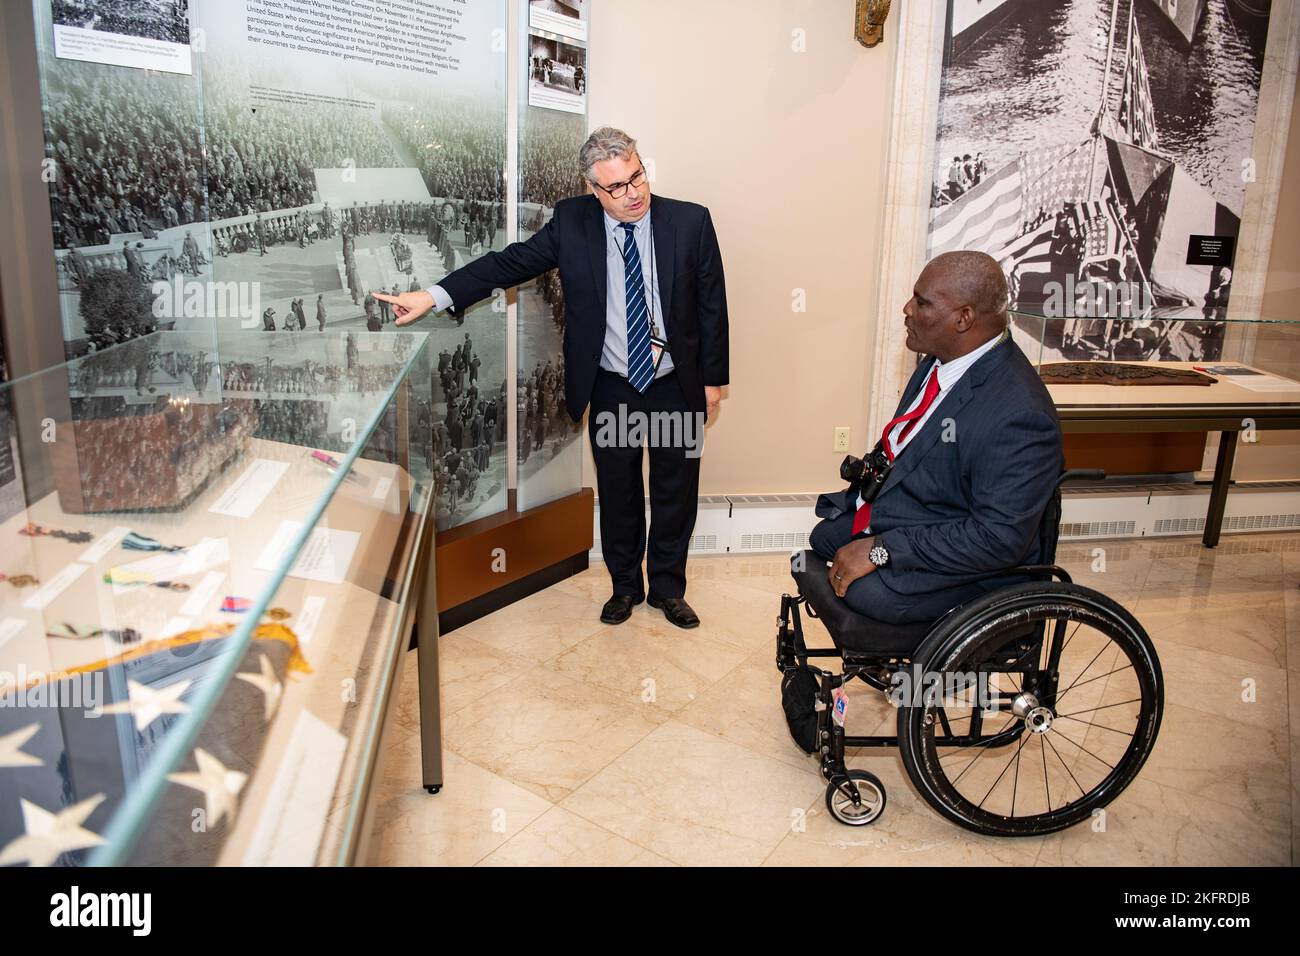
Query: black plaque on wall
1211	250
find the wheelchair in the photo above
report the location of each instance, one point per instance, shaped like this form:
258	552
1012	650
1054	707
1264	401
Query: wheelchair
1020	713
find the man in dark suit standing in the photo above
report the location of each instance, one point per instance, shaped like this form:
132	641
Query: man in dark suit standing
976	452
634	274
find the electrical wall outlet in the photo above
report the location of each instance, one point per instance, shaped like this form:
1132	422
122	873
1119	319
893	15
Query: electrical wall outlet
841	439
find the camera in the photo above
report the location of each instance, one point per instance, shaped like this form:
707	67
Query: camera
867	475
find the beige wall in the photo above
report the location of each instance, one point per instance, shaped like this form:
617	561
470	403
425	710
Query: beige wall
787	151
764	136
1276	455
1282	291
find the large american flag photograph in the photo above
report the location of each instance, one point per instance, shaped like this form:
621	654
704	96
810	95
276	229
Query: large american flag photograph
1082	143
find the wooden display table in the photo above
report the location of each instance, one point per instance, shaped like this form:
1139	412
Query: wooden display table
1227	406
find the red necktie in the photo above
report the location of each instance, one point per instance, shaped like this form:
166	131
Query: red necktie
863	517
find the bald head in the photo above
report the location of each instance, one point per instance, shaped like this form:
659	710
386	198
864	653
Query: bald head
959	302
976	279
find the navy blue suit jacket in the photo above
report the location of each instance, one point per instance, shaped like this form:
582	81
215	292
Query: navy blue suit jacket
953	509
691	288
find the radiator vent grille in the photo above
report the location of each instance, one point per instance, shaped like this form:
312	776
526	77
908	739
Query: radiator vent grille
1097	529
1261	522
773	542
1230	523
771	499
1179	525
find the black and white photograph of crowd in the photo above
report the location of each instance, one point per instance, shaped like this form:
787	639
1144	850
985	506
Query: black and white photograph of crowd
548	450
155	19
459	445
377	187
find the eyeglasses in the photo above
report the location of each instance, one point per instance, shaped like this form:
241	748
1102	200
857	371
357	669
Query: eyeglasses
619	190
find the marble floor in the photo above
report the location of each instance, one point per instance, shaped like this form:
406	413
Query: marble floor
572	743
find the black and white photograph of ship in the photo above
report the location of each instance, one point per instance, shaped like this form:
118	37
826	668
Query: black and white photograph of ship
1083	143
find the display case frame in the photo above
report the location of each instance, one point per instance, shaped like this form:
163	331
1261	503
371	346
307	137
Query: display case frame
344	528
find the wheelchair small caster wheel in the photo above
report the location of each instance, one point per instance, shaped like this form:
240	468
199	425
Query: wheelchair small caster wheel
856	799
436	789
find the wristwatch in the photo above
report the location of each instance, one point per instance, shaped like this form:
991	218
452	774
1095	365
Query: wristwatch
878	555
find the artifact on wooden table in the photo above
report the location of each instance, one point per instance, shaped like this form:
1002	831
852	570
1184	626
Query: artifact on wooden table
127	457
1118	373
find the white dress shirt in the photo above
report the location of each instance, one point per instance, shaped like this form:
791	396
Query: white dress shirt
441	300
950	374
613	356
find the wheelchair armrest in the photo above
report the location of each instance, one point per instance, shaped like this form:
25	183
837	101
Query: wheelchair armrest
1030	570
1081	474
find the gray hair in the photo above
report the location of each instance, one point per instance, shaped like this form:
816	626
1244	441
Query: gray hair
604	143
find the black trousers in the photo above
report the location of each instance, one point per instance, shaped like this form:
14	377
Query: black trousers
674	486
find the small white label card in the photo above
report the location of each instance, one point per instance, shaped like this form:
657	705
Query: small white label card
250	489
176	625
308	618
54	587
325	556
208	553
202	593
103	544
1265	383
293	817
9	629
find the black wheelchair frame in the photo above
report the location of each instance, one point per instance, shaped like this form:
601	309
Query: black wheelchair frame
1018	630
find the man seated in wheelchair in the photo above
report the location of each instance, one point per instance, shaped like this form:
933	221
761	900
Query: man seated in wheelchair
941	565
959	481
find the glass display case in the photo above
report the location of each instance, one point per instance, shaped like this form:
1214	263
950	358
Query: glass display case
1099	324
209	563
1124	383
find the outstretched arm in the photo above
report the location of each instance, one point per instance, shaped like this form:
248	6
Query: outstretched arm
516	263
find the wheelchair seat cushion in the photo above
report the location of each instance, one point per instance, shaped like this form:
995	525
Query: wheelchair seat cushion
852	632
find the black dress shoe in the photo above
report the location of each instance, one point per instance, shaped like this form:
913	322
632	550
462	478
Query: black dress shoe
618	608
677	611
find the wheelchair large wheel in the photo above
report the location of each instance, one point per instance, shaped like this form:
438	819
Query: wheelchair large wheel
1040	703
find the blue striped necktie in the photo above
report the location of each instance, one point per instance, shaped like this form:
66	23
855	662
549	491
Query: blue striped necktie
640	363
